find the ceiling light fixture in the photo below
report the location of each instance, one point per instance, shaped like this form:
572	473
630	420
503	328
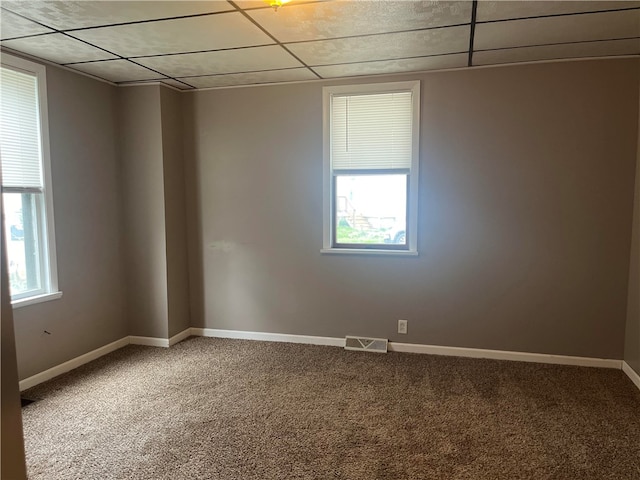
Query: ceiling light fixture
275	4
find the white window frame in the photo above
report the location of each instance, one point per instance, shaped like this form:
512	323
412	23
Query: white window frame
328	183
50	290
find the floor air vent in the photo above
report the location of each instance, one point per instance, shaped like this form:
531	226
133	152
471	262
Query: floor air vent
365	344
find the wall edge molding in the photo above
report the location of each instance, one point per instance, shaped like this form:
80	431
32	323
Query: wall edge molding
149	341
178	337
631	373
326	341
69	365
416	348
505	355
267	337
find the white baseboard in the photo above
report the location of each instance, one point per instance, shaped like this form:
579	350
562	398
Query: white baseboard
329	341
632	374
178	337
416	348
267	337
505	355
71	364
149	341
99	352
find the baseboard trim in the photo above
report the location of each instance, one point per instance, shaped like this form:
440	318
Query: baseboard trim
416	348
267	337
71	364
178	337
505	355
149	341
328	341
631	373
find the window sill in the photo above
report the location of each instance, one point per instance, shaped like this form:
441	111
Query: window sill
24	302
369	251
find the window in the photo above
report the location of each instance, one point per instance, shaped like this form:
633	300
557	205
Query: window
26	182
371	168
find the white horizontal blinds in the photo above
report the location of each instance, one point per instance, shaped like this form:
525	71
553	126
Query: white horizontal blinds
20	130
371	132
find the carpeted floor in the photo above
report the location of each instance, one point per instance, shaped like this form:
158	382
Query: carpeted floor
230	409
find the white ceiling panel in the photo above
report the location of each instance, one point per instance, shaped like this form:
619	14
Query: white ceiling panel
294	22
383	47
58	48
251	4
12	26
292	75
502	10
77	14
176	84
212	40
225	61
565	29
117	70
549	52
393	66
211	32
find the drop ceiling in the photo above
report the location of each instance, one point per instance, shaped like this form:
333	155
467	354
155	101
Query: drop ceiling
207	44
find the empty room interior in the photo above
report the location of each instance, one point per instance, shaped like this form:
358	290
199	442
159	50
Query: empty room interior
320	239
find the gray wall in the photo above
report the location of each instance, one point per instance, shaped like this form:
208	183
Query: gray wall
151	152
175	210
144	210
527	182
632	339
525	216
86	197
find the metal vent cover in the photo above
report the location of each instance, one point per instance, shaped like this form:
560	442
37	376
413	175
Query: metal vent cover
366	344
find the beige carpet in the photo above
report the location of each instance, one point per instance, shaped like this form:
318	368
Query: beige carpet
230	409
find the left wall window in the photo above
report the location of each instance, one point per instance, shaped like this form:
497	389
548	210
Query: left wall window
26	182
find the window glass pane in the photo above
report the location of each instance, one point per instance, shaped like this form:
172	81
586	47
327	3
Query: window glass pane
22	212
371	209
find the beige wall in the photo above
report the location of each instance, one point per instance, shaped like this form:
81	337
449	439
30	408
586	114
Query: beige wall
175	210
632	339
144	210
525	207
525	214
151	152
86	197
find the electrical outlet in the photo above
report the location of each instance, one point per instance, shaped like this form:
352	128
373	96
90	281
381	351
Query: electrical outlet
402	326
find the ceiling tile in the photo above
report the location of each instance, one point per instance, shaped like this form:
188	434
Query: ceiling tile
548	52
167	81
12	26
226	61
343	19
57	47
176	84
393	66
291	75
383	47
489	10
117	70
211	32
252	4
566	29
78	14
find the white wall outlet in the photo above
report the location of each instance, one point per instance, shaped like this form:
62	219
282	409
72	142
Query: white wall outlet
402	326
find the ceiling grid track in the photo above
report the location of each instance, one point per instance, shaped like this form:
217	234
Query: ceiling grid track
472	31
191	45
